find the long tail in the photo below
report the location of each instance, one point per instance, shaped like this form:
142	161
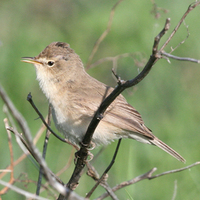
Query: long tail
166	148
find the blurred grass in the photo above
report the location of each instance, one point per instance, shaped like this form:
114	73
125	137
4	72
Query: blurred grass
168	98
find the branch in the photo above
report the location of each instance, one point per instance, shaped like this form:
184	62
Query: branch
175	190
122	85
116	58
180	58
105	172
30	100
127	183
182	42
27	134
104	34
20	119
46	140
12	179
190	8
175	170
23	156
22	192
147	175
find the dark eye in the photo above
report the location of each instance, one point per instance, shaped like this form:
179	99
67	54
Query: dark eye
50	63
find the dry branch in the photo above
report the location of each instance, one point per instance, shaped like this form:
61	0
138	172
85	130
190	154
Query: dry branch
122	85
83	153
104	34
147	175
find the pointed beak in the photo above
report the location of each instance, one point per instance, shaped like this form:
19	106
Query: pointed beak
31	60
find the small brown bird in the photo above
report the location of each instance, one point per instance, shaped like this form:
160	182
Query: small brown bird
75	96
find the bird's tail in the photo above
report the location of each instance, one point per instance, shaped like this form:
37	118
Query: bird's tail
166	148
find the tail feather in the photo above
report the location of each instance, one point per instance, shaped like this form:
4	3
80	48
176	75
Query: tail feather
168	149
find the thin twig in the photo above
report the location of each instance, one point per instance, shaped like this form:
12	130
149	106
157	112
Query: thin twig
12	179
22	192
94	174
190	8
160	35
105	172
104	34
23	156
25	147
30	100
180	58
109	190
175	170
19	138
16	114
11	151
69	162
155	10
130	182
46	140
83	153
147	175
175	190
36	154
117	57
187	36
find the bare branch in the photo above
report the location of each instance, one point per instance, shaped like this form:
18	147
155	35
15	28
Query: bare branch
117	57
30	100
155	10
105	172
22	192
127	183
175	190
69	162
56	185
104	34
175	170
39	183
147	175
28	138
109	190
180	58
83	153
122	85
11	152
190	8
20	119
23	156
12	179
188	34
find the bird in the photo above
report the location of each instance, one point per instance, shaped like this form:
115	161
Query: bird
74	97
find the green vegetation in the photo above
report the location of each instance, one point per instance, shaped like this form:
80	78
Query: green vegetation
168	98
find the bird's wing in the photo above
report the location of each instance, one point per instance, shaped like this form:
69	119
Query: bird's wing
119	114
123	115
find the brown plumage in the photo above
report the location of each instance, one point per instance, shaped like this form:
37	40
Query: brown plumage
74	96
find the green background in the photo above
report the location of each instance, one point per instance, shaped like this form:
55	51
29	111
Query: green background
168	98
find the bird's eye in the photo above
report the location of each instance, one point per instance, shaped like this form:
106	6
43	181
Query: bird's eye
50	63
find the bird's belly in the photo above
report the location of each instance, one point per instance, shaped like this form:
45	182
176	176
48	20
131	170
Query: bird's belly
74	130
71	129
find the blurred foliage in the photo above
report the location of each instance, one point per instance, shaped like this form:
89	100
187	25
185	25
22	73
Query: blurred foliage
168	98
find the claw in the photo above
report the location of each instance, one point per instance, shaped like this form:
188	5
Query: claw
92	146
91	156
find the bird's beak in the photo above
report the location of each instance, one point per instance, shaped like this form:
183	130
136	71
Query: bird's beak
31	60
